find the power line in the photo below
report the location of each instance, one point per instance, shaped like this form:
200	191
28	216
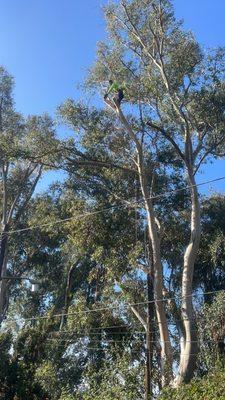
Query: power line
88	214
110	327
134	340
99	330
127	305
133	351
95	340
87	333
83	334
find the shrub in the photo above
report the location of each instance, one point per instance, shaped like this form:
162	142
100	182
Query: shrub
210	387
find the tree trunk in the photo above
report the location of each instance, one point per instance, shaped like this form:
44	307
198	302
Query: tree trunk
3	246
189	350
3	282
149	335
166	349
67	294
7	214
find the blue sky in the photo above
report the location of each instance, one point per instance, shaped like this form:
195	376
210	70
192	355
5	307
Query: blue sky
47	45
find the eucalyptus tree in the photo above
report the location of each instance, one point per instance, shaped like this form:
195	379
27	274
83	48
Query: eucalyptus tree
102	245
174	98
26	145
182	101
100	166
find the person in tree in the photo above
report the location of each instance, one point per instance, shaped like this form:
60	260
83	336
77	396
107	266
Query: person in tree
117	89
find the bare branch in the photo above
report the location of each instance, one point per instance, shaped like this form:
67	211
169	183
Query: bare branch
168	137
30	194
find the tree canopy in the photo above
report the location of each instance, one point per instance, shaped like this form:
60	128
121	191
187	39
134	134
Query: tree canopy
127	255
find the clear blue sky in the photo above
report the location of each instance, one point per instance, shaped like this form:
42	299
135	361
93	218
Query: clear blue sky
47	45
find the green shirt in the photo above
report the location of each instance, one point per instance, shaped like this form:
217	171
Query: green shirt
116	86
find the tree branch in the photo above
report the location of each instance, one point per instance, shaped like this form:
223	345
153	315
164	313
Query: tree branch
168	137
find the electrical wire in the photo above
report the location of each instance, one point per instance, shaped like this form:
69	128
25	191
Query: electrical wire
95	340
135	340
84	334
90	333
127	305
88	214
132	351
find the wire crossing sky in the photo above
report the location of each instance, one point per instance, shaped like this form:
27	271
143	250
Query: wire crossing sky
130	203
114	307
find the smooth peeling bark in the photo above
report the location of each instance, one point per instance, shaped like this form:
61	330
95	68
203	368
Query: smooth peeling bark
189	350
166	349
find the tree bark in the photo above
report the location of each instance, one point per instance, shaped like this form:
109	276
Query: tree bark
189	349
3	243
4	297
3	246
7	215
69	283
149	335
166	349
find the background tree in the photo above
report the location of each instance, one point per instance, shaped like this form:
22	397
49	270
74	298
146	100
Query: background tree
22	165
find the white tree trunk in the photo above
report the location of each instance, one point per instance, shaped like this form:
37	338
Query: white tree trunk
166	348
189	349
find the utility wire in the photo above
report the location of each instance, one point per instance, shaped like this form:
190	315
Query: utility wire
88	214
132	351
135	340
94	340
127	305
87	333
84	334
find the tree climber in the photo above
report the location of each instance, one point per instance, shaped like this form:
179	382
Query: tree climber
117	89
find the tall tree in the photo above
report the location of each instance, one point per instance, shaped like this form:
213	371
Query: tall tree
175	100
25	144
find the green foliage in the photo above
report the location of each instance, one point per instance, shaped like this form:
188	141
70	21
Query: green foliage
211	325
46	376
103	241
118	378
210	387
16	373
66	396
5	366
210	265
